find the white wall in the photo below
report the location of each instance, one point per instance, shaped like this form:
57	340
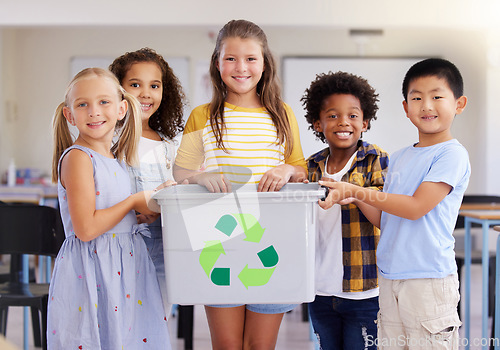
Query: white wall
465	14
35	71
383	74
492	115
8	111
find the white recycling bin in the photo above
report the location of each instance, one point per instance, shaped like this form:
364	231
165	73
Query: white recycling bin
242	247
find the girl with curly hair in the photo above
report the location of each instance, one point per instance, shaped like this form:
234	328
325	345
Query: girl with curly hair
146	75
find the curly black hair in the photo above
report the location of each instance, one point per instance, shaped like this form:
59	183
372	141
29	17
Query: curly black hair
327	84
168	119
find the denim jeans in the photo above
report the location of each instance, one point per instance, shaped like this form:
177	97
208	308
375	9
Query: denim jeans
344	323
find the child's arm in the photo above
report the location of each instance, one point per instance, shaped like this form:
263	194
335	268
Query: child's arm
377	172
153	205
276	178
371	213
78	179
425	198
214	182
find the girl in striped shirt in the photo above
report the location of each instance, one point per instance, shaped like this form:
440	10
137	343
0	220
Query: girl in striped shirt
245	135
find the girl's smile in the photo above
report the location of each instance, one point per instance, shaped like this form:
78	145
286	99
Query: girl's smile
146	107
95	125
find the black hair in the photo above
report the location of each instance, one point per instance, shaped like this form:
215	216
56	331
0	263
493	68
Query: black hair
329	84
439	68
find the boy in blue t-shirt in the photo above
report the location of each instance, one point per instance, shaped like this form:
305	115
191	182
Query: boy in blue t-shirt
417	211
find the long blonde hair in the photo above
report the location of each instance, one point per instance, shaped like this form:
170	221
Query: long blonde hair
268	88
128	129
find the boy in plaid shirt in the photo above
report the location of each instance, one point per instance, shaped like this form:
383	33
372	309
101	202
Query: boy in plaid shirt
340	106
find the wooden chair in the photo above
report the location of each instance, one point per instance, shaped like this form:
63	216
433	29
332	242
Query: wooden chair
27	229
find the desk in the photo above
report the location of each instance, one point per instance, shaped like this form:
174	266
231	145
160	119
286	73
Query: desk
33	195
497	293
486	218
480	206
27	194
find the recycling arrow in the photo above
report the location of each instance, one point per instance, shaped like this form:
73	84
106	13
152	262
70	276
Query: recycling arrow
226	225
210	254
253	233
259	277
268	257
251	227
255	277
221	276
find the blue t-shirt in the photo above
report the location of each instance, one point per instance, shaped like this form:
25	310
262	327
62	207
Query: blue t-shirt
423	248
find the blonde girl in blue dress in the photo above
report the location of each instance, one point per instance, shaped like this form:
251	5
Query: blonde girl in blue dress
104	293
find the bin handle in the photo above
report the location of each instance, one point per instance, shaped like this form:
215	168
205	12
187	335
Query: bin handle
327	191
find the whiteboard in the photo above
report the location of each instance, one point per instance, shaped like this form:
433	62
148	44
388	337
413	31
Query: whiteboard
392	130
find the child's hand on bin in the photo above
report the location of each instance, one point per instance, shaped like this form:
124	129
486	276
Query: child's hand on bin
339	193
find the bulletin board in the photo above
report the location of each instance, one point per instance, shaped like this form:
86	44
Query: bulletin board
392	130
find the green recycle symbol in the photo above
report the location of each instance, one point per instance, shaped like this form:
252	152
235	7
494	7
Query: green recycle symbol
248	276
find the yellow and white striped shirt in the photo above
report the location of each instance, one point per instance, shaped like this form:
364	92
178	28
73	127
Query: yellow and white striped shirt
250	139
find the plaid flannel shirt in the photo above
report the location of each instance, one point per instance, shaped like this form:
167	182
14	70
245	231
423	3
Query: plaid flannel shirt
359	236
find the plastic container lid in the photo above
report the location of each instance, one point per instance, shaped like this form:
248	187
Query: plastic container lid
296	192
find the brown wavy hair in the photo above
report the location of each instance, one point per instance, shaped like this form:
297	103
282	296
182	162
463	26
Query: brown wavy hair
268	88
168	118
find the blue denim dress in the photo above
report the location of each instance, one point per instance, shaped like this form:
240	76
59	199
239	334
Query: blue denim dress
155	167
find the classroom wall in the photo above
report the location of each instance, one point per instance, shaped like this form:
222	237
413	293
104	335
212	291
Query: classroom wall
490	154
7	112
339	13
35	61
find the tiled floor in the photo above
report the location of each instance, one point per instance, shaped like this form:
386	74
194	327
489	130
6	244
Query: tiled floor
294	334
